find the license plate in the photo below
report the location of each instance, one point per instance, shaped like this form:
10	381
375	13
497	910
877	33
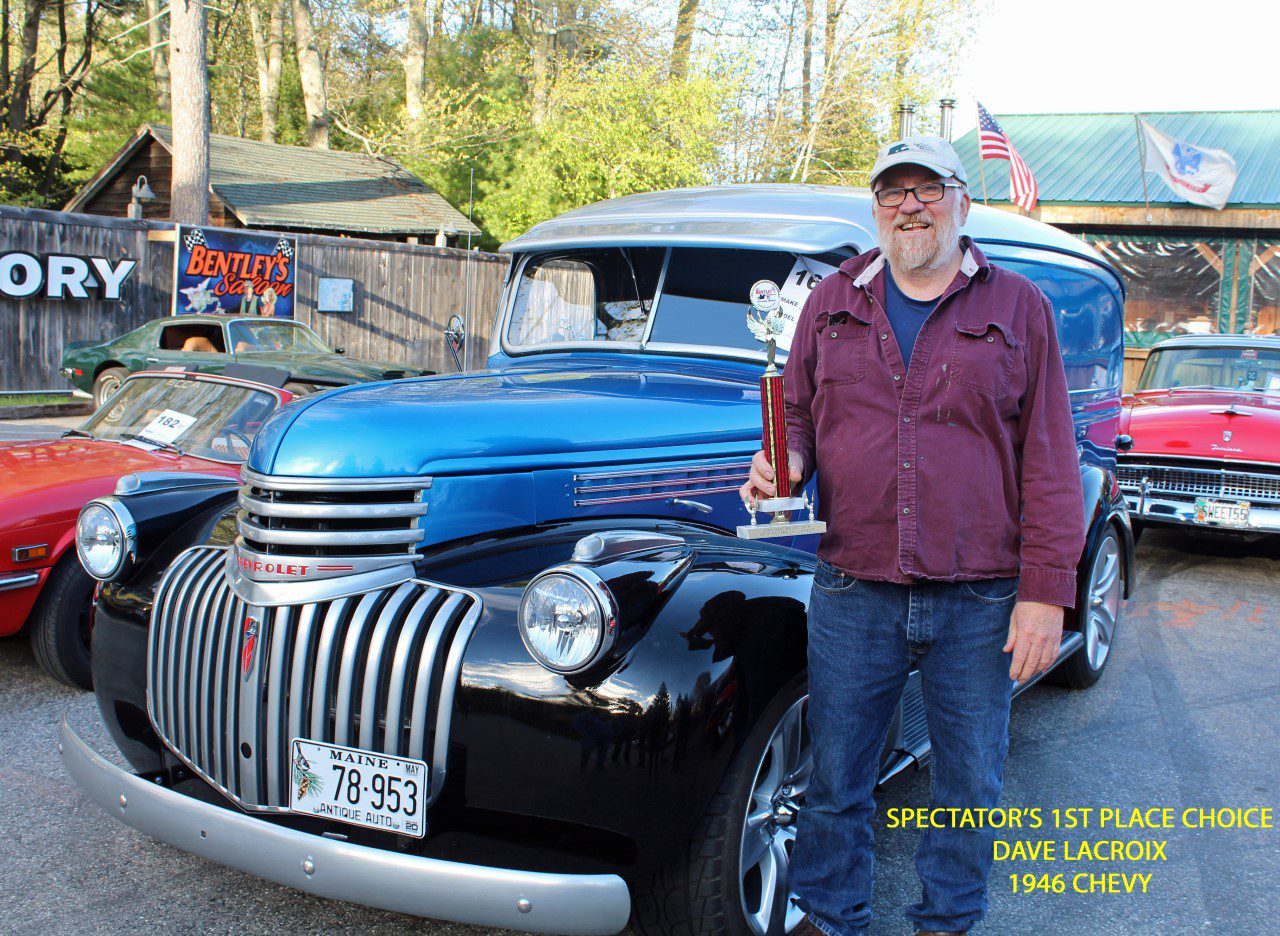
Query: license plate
364	788
1231	513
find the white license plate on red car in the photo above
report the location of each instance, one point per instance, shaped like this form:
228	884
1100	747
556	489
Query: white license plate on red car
364	788
1228	513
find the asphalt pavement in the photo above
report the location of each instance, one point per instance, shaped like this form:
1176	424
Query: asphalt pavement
50	427
1187	715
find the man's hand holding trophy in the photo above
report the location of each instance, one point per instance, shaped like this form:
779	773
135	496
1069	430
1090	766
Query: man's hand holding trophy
767	322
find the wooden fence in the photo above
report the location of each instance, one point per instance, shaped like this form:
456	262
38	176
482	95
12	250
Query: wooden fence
404	294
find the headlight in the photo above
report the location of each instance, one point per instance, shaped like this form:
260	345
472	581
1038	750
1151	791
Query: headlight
105	538
568	619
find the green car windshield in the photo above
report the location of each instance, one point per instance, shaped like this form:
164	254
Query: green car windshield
209	419
1255	369
275	336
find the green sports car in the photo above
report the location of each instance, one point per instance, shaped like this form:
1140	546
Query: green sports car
209	343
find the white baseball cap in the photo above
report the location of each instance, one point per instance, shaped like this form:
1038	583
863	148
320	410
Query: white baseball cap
934	153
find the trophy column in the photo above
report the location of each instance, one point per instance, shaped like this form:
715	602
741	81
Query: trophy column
766	324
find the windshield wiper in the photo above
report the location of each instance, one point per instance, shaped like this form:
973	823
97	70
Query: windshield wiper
77	432
165	446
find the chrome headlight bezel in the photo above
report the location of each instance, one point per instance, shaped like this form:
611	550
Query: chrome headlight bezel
606	605
126	529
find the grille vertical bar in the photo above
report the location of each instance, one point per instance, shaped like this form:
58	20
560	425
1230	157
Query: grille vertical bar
376	670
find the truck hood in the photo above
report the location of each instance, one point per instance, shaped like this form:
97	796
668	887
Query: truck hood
521	419
327	367
1196	424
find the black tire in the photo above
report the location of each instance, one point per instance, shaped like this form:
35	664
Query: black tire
1138	528
107	383
1083	668
700	894
60	624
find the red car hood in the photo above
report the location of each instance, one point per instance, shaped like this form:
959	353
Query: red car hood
1196	423
47	481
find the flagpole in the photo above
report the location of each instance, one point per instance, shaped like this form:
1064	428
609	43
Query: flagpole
982	170
1142	165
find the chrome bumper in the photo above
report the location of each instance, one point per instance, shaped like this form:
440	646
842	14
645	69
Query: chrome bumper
1157	509
428	887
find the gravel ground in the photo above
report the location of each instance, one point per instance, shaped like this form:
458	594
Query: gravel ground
1187	715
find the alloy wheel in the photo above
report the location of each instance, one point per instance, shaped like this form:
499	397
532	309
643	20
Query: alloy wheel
769	827
1104	601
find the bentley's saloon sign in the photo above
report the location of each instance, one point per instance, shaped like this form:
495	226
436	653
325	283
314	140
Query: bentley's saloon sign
233	271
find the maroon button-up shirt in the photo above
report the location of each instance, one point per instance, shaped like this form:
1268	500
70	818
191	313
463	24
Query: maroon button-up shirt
962	467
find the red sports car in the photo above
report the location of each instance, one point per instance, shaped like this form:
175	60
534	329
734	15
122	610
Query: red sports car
157	421
1205	424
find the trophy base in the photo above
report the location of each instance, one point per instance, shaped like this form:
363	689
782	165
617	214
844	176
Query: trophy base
786	528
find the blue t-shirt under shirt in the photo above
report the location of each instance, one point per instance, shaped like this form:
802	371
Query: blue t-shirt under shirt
906	315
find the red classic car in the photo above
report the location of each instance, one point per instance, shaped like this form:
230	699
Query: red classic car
1205	425
157	421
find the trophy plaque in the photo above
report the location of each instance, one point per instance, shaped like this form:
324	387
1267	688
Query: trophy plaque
766	322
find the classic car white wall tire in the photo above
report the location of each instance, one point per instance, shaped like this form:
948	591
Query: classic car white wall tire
107	383
733	881
60	624
1098	602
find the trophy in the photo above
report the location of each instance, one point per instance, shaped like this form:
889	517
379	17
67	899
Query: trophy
766	322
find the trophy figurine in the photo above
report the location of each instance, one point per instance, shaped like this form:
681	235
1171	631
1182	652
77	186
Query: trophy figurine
766	322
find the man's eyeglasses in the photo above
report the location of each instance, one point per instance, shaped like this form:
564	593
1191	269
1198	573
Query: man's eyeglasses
925	192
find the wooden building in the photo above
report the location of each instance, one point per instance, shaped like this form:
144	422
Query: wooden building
282	188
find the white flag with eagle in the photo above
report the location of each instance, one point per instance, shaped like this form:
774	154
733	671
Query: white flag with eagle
1198	174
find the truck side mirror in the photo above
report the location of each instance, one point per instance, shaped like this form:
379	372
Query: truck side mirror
455	337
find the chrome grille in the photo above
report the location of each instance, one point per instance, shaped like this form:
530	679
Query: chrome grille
616	487
375	671
331	517
1191	482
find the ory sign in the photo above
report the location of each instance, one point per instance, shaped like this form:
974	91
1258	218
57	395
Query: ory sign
61	276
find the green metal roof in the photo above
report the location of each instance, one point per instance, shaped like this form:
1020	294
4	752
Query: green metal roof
1093	158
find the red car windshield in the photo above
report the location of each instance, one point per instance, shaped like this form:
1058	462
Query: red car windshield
1255	369
209	419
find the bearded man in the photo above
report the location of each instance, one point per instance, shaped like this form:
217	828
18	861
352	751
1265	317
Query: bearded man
926	388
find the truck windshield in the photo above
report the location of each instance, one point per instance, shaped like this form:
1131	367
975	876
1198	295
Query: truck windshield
1225	368
685	296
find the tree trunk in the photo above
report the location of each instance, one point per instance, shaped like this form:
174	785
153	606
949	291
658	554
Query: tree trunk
268	53
415	59
540	34
806	69
311	72
4	51
21	96
189	92
159	54
686	16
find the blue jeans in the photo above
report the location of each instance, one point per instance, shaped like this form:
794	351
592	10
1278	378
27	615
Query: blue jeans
864	638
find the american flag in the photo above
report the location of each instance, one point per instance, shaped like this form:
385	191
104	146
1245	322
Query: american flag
993	143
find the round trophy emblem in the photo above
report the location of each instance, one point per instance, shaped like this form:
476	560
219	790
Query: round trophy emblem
765	296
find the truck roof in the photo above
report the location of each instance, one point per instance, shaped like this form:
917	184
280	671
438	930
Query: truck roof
809	219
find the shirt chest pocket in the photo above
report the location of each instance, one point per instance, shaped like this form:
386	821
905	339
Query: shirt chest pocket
984	356
842	350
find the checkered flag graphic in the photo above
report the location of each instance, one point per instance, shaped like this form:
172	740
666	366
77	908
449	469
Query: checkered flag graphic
193	238
284	247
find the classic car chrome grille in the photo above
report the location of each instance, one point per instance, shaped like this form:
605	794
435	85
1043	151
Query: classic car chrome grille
230	684
1190	481
300	517
616	487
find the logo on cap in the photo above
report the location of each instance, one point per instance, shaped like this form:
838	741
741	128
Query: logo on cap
898	148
